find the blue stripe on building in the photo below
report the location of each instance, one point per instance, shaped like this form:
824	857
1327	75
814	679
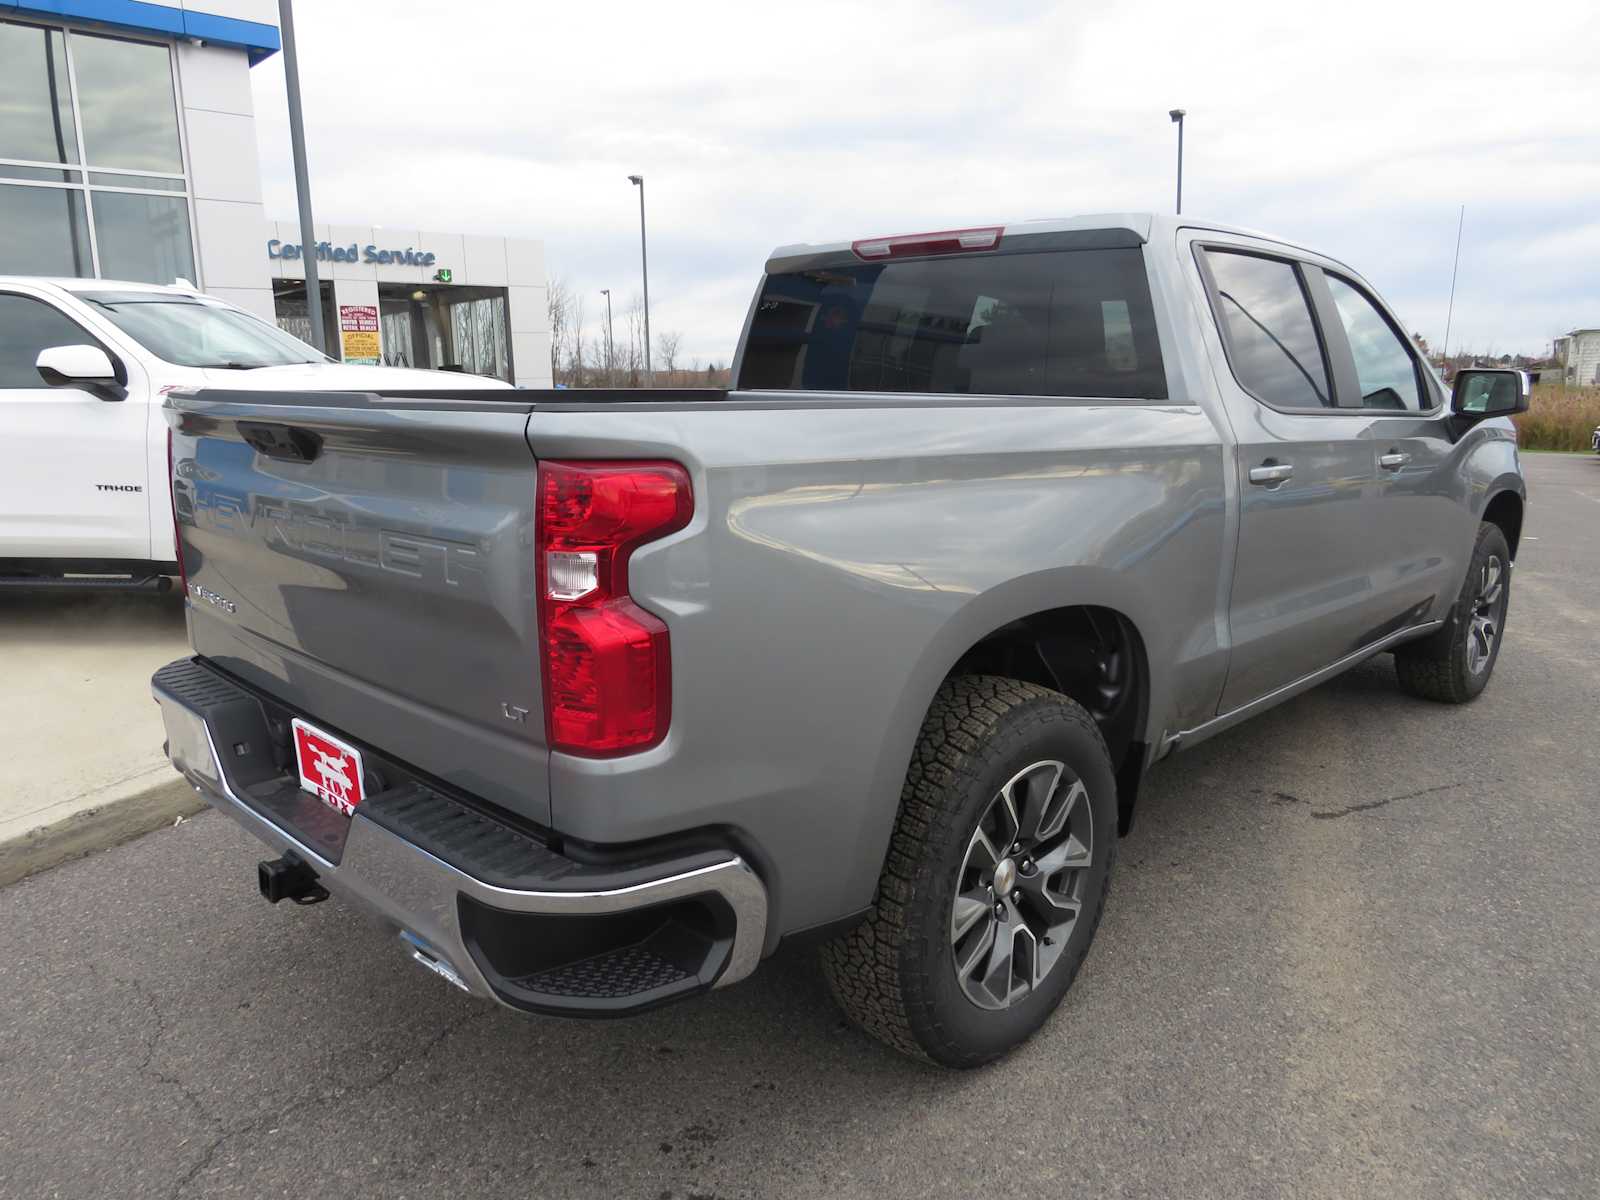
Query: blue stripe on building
259	39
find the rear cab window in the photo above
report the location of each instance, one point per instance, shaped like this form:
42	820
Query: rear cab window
1023	323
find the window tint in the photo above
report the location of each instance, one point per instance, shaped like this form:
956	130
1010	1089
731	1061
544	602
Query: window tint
1272	342
1384	367
28	326
1057	323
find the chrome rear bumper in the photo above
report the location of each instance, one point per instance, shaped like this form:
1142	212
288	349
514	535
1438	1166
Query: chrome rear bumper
421	897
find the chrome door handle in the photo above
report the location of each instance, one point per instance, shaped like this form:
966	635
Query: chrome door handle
1271	473
1393	461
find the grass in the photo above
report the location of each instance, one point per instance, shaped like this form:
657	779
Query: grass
1560	418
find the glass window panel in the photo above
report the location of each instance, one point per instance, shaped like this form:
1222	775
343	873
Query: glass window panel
35	99
194	332
125	99
43	231
28	326
1053	323
1384	367
43	174
502	342
396	322
293	314
143	238
1272	342
149	182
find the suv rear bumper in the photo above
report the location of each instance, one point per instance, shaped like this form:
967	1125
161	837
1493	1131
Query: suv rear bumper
485	905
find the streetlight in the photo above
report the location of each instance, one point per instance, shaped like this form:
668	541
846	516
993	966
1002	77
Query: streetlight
1177	114
302	186
644	261
611	370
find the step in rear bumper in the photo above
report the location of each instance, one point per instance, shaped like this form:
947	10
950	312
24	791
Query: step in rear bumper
446	911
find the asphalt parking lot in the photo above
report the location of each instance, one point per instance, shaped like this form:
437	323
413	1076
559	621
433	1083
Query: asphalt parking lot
1353	949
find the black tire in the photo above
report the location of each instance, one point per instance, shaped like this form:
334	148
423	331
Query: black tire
1453	665
895	974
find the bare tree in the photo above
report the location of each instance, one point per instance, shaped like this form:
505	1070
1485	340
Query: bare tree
632	356
575	345
667	346
559	306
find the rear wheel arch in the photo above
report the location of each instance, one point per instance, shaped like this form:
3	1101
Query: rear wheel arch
1093	654
981	624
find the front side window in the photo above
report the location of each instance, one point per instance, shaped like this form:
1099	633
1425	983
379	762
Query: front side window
195	333
28	326
1272	342
1384	367
1052	323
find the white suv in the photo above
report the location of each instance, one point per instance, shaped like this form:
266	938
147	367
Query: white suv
84	365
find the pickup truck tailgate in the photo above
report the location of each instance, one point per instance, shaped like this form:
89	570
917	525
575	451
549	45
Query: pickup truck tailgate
369	563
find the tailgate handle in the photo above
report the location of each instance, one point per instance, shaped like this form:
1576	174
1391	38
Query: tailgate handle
287	442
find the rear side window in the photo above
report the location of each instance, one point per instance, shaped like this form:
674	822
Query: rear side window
28	326
1053	323
1271	341
1384	367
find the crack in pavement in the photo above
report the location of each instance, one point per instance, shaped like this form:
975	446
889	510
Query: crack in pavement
145	1067
1335	813
327	1095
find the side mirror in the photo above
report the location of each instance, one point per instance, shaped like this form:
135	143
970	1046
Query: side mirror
1481	392
79	366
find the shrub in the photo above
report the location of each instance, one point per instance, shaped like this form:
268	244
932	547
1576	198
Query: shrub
1559	418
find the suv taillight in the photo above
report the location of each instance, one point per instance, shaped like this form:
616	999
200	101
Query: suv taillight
607	663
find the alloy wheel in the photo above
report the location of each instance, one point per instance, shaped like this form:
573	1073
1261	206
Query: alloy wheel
1484	625
1022	884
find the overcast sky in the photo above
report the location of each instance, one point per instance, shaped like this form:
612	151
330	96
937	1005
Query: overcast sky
1358	129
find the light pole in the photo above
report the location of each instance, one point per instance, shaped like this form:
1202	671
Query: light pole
1177	114
644	262
302	185
611	368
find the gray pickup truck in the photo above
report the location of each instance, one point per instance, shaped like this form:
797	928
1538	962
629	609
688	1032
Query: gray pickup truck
596	699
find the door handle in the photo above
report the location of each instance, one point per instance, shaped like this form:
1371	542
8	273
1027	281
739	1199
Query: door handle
1393	460
1270	472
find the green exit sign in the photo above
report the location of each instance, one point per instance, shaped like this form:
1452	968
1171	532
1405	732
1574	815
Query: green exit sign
442	275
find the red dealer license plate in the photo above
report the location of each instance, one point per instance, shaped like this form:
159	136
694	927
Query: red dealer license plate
330	769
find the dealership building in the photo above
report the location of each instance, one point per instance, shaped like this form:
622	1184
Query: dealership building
128	151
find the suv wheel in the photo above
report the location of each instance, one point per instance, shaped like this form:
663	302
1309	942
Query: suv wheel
995	880
1454	664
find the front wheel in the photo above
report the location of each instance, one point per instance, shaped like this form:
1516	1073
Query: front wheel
995	880
1454	665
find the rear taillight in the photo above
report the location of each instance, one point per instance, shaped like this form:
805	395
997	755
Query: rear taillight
607	662
915	245
177	530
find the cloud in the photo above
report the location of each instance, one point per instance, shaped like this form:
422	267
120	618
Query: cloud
1359	131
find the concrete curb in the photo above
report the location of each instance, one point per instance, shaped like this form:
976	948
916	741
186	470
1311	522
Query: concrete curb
98	828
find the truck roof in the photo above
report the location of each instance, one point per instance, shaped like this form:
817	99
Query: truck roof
1145	226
